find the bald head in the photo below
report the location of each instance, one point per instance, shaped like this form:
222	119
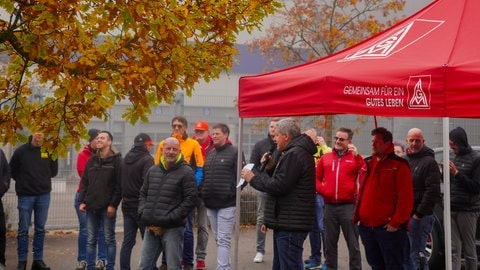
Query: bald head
171	150
415	141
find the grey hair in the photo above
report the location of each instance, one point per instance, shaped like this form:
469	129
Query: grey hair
289	126
171	140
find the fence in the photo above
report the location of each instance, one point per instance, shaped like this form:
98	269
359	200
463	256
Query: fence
62	215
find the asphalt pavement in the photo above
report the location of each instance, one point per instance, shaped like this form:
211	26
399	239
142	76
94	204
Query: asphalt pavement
60	251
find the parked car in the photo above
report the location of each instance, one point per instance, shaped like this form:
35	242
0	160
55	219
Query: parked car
436	240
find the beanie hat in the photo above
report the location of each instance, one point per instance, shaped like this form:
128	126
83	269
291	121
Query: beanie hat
142	139
92	134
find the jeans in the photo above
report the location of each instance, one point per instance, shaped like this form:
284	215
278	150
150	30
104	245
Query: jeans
202	231
131	224
384	250
317	234
288	249
222	221
39	205
94	221
261	197
339	216
82	236
464	226
171	242
3	231
418	234
187	256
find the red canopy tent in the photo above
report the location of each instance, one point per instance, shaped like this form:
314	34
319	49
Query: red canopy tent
428	65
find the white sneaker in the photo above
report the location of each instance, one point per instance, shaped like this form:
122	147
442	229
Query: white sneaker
258	258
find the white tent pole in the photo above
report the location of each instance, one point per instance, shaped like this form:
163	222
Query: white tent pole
446	196
239	190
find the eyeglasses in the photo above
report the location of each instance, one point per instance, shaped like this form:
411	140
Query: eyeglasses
177	126
339	139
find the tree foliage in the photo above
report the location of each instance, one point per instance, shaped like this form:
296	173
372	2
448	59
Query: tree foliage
305	30
64	62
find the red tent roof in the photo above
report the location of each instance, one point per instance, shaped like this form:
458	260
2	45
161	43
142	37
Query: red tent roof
428	65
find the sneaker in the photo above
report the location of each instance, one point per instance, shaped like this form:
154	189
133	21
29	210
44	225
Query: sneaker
324	266
163	267
82	265
258	258
22	265
39	265
100	265
201	265
313	264
188	267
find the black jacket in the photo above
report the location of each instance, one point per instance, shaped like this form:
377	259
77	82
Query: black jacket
32	170
167	195
426	181
4	174
465	186
101	179
135	165
218	189
290	203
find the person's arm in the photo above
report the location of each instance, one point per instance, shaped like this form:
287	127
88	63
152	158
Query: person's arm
404	201
431	195
5	174
158	154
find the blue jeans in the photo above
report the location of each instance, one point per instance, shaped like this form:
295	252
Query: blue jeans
94	221
222	221
39	206
418	234
288	249
82	235
384	250
187	256
131	224
3	231
317	235
171	242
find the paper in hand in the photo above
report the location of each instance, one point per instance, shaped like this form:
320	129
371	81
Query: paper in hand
249	166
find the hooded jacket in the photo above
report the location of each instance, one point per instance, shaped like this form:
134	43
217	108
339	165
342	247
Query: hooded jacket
290	202
32	170
465	185
426	180
134	167
168	195
101	179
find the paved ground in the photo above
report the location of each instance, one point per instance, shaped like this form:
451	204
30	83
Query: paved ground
61	249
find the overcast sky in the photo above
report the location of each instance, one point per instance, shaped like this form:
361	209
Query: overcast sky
411	7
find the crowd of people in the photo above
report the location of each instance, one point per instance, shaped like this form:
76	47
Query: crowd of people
304	189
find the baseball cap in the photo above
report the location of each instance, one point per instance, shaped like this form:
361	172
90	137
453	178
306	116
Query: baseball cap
200	125
92	134
142	139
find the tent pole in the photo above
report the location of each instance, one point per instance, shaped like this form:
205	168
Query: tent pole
238	195
446	196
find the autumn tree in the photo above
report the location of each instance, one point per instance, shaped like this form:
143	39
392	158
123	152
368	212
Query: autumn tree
64	62
305	30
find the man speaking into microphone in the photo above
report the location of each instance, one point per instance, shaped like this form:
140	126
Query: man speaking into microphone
290	201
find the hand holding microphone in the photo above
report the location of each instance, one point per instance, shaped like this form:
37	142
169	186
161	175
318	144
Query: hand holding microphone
267	157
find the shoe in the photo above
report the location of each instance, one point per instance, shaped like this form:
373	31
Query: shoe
313	264
22	265
258	258
324	266
82	265
100	265
39	265
188	267
201	265
163	267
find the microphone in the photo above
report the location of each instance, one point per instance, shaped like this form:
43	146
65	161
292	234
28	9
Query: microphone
268	156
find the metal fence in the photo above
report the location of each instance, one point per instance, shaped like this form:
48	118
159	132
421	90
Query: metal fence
62	215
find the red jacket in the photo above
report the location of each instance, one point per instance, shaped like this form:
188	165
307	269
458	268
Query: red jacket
338	177
386	194
82	159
